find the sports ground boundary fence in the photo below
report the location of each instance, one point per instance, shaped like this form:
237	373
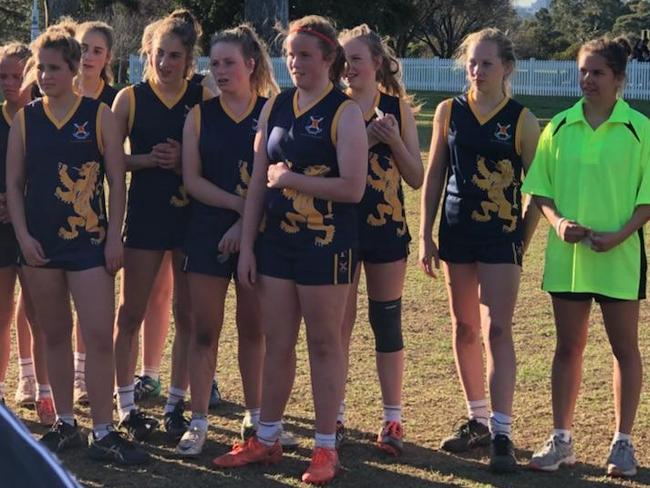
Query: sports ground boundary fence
532	76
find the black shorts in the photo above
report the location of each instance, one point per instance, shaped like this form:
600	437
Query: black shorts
381	255
211	264
507	252
573	296
306	265
8	246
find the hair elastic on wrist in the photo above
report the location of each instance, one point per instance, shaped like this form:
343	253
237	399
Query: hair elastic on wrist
320	35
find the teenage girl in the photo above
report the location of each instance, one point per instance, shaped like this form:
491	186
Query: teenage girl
374	81
591	180
151	114
483	142
309	172
217	166
60	148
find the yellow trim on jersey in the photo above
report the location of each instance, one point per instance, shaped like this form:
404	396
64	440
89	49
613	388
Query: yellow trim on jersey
98	127
484	119
368	115
168	102
99	90
5	113
450	104
266	112
518	136
197	119
296	109
20	115
335	120
60	123
131	94
207	94
247	112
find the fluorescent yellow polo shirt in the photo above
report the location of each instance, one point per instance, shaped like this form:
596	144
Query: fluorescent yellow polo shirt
597	178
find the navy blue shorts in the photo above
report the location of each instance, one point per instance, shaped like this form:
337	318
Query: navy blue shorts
8	246
381	255
507	252
211	263
584	297
306	266
76	262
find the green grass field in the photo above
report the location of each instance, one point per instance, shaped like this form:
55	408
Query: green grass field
433	399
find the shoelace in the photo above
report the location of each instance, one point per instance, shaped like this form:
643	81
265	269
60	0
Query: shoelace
393	429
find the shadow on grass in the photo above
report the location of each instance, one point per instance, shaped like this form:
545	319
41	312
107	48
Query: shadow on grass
362	464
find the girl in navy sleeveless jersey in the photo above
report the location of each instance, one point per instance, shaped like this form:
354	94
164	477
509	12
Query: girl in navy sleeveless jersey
217	166
373	77
483	141
33	383
151	114
12	63
95	73
309	171
94	81
60	149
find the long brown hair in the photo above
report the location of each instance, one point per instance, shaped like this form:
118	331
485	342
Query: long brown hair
107	32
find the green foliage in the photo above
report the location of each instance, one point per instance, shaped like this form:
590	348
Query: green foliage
214	15
15	21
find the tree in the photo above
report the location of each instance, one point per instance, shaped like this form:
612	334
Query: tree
443	24
635	21
14	21
581	20
214	15
268	16
537	37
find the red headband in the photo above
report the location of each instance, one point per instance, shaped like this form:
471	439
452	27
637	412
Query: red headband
320	35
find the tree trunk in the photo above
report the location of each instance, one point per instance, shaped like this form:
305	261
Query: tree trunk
59	8
268	16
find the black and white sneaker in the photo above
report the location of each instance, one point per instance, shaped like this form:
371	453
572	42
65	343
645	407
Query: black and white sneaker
138	425
468	435
176	424
115	448
502	455
63	436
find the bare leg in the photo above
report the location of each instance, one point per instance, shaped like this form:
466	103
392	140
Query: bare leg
621	322
93	291
571	325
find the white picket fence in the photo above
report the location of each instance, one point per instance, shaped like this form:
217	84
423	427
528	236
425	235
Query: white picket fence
532	76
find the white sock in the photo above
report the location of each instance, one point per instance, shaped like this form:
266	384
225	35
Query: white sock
478	410
151	372
269	432
254	415
500	423
326	441
125	400
393	413
619	436
101	430
80	365
68	418
200	421
340	417
43	392
26	368
563	434
174	396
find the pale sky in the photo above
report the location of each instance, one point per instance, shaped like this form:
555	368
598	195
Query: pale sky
523	3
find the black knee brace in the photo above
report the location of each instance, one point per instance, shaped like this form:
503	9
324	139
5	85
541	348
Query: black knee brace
386	322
